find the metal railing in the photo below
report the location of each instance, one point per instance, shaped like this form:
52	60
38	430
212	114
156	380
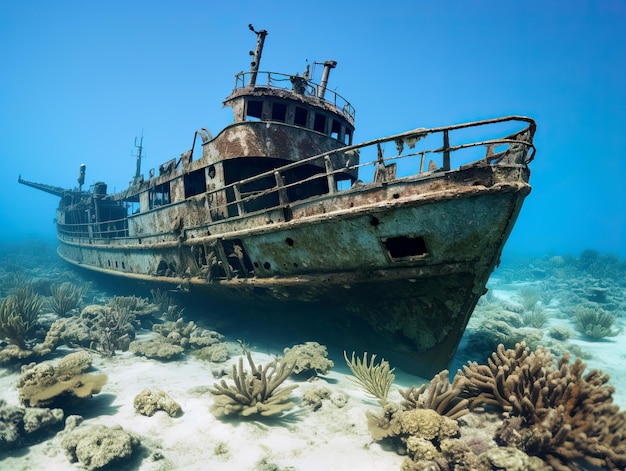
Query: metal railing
513	148
278	81
519	149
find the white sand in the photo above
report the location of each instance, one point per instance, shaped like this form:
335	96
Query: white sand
329	438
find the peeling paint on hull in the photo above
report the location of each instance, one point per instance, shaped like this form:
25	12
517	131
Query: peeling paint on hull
398	234
419	306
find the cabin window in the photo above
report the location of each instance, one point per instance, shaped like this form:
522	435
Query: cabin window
319	124
348	137
255	109
195	183
300	116
335	131
132	207
279	112
160	195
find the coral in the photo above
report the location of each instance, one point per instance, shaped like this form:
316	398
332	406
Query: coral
158	348
559	332
386	424
417	432
148	403
511	459
529	296
309	357
254	393
492	333
314	397
20	426
339	399
217	353
99	446
102	328
43	384
375	379
140	307
167	304
595	322
427	423
13	353
438	395
175	337
187	335
536	317
66	297
458	455
18	316
558	414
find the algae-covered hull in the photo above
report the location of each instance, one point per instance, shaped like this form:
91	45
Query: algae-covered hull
408	259
392	239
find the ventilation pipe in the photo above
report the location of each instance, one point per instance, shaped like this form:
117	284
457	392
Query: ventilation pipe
321	91
81	176
256	55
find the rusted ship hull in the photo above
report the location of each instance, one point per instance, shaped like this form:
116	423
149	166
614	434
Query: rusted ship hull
336	254
394	239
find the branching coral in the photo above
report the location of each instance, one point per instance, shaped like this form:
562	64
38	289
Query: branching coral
375	379
559	414
439	395
253	393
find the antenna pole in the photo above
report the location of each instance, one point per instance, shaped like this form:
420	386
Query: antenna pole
256	55
137	178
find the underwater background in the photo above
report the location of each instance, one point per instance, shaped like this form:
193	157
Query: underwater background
80	81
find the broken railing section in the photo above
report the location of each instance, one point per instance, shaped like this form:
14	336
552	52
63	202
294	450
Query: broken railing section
518	149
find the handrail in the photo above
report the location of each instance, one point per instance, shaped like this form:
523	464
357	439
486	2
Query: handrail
519	150
272	81
519	144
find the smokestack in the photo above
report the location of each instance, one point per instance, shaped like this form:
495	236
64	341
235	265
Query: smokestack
321	91
81	176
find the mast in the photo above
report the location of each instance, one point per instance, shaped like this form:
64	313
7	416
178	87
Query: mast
256	55
138	177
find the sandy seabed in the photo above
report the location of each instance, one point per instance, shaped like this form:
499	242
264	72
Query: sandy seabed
335	436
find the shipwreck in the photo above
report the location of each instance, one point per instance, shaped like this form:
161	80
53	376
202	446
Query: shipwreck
399	233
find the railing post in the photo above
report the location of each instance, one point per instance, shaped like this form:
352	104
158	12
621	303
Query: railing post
240	208
330	175
283	199
446	150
